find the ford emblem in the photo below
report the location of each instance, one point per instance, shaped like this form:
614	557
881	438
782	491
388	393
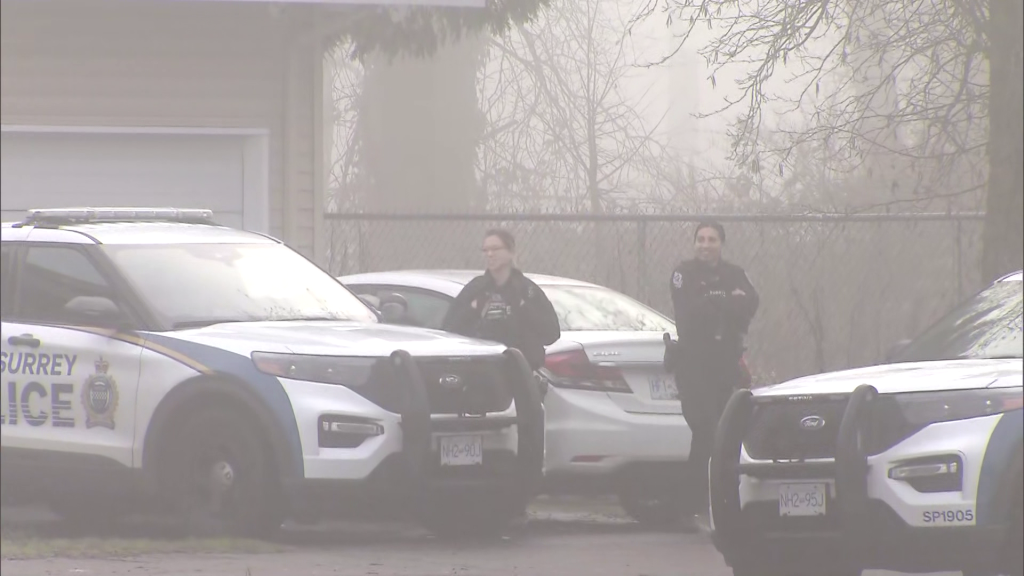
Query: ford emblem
450	381
812	423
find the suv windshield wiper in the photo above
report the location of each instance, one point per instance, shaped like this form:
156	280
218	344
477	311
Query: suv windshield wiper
202	323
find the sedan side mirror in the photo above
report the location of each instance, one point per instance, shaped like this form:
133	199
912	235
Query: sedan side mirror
392	313
394	308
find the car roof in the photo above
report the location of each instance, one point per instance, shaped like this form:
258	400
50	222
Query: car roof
447	280
451	281
137	233
127	226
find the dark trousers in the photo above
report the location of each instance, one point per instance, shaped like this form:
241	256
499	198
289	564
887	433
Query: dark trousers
704	390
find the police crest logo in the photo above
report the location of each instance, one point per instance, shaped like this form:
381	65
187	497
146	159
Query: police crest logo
99	397
677	279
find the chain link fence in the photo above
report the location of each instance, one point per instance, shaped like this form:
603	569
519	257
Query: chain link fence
836	291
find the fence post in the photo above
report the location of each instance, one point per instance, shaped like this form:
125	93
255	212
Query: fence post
958	267
361	246
641	260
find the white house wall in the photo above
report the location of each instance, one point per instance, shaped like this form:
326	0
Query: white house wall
171	64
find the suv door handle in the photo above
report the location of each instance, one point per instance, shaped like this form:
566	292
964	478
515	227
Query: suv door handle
24	340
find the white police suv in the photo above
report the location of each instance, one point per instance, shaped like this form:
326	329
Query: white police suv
912	466
155	361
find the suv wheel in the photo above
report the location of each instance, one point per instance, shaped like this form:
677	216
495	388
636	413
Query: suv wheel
217	473
1012	557
1014	551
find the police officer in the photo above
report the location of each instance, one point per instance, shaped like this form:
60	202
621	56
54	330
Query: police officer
505	306
714	303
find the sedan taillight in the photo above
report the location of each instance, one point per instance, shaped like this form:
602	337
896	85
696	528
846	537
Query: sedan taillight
575	370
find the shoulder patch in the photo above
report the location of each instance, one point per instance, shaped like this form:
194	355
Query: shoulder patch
677	279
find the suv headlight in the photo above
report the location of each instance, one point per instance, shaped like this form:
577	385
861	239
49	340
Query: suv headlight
923	408
344	370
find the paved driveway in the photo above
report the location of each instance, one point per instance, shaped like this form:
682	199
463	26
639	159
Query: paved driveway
557	543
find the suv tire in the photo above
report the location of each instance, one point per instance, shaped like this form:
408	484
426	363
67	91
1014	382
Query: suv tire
217	471
1014	551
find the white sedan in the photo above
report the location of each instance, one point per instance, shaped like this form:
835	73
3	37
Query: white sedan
613	418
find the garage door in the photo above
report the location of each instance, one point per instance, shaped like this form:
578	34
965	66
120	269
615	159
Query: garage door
50	170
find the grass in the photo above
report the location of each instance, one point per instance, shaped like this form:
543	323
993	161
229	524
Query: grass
26	545
605	506
27	540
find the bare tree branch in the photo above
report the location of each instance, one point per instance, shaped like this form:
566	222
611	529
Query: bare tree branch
568	131
873	79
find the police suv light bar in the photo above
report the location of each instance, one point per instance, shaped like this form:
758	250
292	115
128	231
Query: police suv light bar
85	215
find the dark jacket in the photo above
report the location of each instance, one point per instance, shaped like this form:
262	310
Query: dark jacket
711	322
517	314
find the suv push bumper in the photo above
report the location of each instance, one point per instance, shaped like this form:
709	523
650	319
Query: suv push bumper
411	477
862	532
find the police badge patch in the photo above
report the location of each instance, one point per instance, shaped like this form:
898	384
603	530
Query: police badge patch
99	397
677	279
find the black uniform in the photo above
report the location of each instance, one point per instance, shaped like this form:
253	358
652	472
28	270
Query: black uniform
711	323
518	314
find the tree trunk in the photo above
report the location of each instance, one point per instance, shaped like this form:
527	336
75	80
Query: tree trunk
420	125
1003	236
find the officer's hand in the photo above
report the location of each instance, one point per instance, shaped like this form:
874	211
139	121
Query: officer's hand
671	356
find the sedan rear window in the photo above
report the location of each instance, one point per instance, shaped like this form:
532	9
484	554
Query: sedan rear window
587	309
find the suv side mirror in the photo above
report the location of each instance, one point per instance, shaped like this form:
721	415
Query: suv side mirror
96	311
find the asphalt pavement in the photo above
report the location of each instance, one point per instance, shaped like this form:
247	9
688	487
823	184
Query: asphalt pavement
555	543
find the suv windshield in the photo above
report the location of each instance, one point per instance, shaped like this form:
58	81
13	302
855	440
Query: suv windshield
584	308
197	284
987	325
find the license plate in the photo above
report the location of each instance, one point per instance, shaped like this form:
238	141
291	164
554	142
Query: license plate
802	499
663	389
462	450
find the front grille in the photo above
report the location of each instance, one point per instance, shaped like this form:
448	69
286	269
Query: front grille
482	386
775	431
